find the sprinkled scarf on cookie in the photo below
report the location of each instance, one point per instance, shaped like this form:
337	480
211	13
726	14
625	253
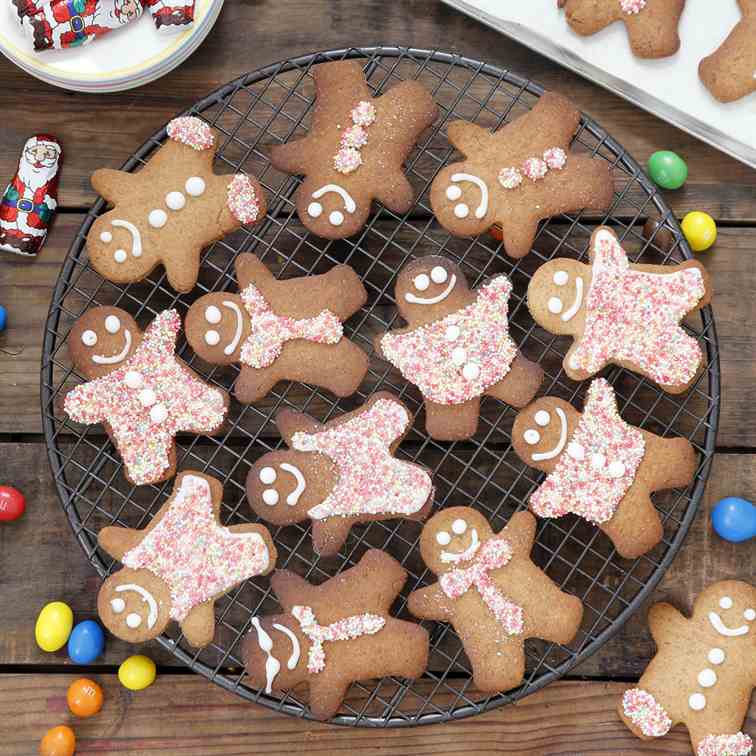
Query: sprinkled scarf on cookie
334	634
360	481
139	388
179	565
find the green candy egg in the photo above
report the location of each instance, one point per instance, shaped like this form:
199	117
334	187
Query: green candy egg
667	169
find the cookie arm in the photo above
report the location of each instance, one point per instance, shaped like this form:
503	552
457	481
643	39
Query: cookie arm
291	589
290	422
430	603
521	530
251	270
667	624
467	137
292	156
198	626
82	404
119	541
114	186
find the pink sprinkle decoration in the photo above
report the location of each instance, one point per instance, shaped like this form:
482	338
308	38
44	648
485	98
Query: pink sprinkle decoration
191	131
364	114
348	628
270	331
480	331
510	178
555	158
632	7
633	316
197	557
242	199
493	555
190	405
370	480
534	169
354	136
347	160
599	465
725	745
643	711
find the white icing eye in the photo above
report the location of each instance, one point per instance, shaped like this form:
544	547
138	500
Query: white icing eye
575	450
439	275
542	418
471	371
195	186
89	338
117	605
421	282
158	414
598	461
270	497
133	620
461	210
213	315
725	602
112	324
157	218
212	338
268	476
616	469
147	397
443	538
716	656
175	201
561	277
106	237
120	255
315	210
453	192
749	615
555	305
452	333
531	436
336	218
133	379
459	527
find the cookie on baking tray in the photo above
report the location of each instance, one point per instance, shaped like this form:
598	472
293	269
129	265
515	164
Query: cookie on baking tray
170	210
139	390
355	150
179	565
703	673
340	473
334	634
281	330
456	346
652	25
519	175
492	593
600	467
622	313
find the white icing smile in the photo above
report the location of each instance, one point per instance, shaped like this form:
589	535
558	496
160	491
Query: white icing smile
570	313
453	193
147	597
98	359
231	346
422	282
120	255
722	629
462	556
557	450
336	218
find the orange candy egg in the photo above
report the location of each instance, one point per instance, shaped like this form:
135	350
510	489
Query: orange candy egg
60	741
84	697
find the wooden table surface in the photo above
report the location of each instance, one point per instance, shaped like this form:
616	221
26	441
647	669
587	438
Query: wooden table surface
39	560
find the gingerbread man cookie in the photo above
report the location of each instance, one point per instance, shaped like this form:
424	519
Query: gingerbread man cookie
139	390
652	25
355	150
341	473
170	210
703	673
622	314
179	565
601	468
519	175
335	634
457	346
491	592
729	73
282	330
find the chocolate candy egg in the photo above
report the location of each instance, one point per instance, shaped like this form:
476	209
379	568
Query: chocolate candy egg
53	627
137	672
667	169
734	519
84	697
86	642
12	504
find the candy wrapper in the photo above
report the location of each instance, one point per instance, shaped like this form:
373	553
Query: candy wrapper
171	16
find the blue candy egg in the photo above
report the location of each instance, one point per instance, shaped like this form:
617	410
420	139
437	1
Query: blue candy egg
3	318
734	519
86	642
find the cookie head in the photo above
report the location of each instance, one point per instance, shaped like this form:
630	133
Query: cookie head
134	605
462	196
102	339
542	431
430	288
452	538
333	210
216	327
728	610
557	295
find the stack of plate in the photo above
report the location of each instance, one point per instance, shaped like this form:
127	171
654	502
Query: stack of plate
127	58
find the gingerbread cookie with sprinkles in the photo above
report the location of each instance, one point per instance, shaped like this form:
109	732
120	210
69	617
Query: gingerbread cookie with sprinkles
492	593
335	634
519	175
600	467
456	347
621	313
652	25
341	473
703	673
139	390
355	150
179	565
282	330
170	210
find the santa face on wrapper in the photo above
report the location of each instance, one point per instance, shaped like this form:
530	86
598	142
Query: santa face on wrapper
30	200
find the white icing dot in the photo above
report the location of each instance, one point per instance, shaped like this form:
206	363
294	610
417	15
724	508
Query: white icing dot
159	414
561	277
315	210
574	362
195	186
157	218
707	677
112	324
461	210
452	333
212	338
459	527
117	605
443	538
725	602
575	450
175	201
133	620
336	218
471	371
555	305
750	614
268	476
120	256
542	418
147	397
616	469
598	461
453	192
716	656
213	315
89	338
270	497
439	274
106	237
531	436
133	379
459	356
421	282
697	701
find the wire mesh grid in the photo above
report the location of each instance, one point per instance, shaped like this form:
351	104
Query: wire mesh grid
273	106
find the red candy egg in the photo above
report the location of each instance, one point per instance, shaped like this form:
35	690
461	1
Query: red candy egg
12	504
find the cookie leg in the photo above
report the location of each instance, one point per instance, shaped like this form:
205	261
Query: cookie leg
520	385
327	691
452	422
343	370
253	385
199	625
498	663
183	271
328	535
636	526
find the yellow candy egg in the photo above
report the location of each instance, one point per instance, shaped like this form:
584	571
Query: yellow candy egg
53	627
700	230
137	672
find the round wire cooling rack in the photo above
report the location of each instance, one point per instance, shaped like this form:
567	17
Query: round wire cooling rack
272	106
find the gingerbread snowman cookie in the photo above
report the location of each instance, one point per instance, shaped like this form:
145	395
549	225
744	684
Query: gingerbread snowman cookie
139	390
170	210
179	565
703	673
622	313
281	330
600	468
341	473
492	593
334	634
355	150
519	175
457	346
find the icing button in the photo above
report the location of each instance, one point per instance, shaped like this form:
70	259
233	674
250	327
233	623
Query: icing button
707	677
158	414
133	379
175	201
616	469
459	356
471	371
598	461
575	450
147	397
195	186
157	218
452	333
697	701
